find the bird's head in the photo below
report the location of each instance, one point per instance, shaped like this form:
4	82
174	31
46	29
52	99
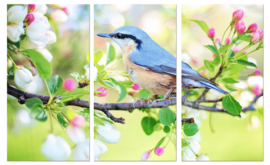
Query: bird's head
128	35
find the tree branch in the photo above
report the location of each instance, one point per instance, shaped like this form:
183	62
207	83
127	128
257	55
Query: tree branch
23	96
187	120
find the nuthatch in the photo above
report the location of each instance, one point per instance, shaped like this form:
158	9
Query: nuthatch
192	79
148	64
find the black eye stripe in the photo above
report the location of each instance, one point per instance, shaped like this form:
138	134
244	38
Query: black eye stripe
123	36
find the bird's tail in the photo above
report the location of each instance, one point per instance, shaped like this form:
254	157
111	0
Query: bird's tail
214	87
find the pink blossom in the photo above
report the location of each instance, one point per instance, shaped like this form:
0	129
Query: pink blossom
78	121
252	28
136	87
69	84
256	90
255	37
227	41
238	15
102	92
245	52
29	18
145	156
236	49
238	22
240	28
257	72
159	151
261	33
31	8
65	9
217	40
211	33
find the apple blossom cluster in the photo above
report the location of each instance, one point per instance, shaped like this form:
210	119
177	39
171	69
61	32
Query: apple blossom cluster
28	27
57	148
107	133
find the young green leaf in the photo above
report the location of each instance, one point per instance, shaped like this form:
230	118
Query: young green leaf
36	107
71	95
166	116
166	129
231	105
54	83
229	80
245	37
216	61
212	49
209	66
190	129
246	63
111	54
203	25
43	66
160	142
148	124
184	142
97	56
144	94
61	120
121	89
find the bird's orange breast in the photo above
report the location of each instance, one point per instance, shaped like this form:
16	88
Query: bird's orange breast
156	83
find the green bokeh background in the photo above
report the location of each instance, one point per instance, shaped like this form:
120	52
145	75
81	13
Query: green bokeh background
234	138
69	55
159	22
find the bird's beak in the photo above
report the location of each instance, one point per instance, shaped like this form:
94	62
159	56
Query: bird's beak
105	35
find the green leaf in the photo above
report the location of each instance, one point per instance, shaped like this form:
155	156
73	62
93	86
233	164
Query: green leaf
97	56
102	117
245	37
121	89
11	73
190	129
54	83
36	107
160	142
166	129
43	66
201	68
71	95
157	127
209	66
203	25
61	120
101	75
144	94
111	54
184	142
229	80
166	116
231	105
216	61
212	49
223	48
247	63
148	124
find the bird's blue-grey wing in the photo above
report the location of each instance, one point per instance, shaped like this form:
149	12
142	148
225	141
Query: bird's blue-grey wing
157	61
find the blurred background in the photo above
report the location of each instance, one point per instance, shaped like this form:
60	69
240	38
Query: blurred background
26	135
159	22
233	138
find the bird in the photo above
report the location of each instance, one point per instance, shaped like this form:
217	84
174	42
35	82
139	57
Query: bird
192	79
148	64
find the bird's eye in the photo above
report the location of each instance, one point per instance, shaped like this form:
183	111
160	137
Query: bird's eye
119	35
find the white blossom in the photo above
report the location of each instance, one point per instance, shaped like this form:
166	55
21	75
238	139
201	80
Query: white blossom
75	134
81	151
59	16
108	133
22	77
99	148
203	157
46	53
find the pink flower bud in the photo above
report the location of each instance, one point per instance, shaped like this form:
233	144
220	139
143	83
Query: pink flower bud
236	49
145	156
69	84
217	40
31	8
78	121
133	93
136	87
195	61
256	90
102	92
238	22
211	33
159	151
261	33
257	72
227	41
65	9
252	28
255	37
245	52
240	28
29	18
238	15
